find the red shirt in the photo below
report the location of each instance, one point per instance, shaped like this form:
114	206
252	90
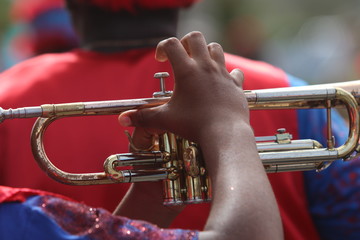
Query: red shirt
82	144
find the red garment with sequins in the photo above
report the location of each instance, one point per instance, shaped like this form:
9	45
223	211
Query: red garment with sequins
81	145
42	215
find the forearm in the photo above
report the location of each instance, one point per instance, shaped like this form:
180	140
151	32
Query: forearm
243	207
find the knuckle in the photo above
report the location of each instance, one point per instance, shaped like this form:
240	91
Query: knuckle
239	73
170	42
238	77
214	45
194	35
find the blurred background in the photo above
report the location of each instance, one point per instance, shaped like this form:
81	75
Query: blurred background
4	23
318	41
32	27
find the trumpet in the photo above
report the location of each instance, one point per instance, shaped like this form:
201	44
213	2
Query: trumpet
179	163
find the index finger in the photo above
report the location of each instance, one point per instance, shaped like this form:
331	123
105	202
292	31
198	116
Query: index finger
172	49
196	46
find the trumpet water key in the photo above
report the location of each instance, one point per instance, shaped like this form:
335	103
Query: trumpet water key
179	163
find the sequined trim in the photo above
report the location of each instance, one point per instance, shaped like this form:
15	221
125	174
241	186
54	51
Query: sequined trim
97	223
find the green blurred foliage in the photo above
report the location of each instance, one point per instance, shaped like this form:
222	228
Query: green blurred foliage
4	16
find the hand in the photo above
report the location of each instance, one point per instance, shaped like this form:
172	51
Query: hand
205	94
208	106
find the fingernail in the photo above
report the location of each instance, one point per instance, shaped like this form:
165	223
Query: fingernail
125	121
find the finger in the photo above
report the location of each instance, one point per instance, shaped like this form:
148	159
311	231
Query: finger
142	138
151	118
238	77
171	49
195	45
216	53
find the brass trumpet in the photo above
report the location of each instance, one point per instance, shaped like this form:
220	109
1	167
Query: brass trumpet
178	162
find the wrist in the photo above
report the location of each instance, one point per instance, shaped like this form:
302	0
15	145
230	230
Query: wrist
224	133
228	146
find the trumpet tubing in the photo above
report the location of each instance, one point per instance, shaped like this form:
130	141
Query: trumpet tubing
178	162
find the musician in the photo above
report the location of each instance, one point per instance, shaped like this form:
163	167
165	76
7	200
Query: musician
254	214
116	61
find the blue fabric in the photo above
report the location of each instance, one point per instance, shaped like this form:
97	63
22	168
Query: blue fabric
333	194
19	221
54	22
56	19
48	217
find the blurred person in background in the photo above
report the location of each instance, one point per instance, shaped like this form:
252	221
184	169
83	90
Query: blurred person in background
115	61
324	46
315	41
33	214
245	36
36	27
98	70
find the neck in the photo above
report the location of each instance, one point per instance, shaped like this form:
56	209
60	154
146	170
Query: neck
105	31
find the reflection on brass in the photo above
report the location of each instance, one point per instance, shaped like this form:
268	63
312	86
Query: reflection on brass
179	163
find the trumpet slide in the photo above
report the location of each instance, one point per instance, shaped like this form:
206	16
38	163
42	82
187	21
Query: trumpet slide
179	163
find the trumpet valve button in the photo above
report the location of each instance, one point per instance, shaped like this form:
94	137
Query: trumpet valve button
163	93
281	130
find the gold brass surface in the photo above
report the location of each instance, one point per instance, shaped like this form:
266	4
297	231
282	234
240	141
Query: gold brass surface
178	162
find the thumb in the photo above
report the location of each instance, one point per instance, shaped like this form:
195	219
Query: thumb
146	118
